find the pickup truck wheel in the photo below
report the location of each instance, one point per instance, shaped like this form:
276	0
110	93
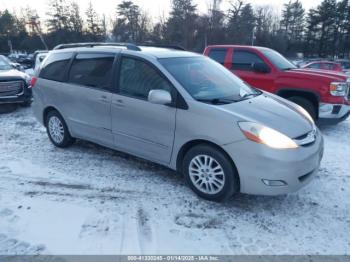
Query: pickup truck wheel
210	173
306	104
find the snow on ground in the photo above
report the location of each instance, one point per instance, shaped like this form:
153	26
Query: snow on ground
92	200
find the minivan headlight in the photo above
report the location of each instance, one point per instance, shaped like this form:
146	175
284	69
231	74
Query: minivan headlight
338	88
267	136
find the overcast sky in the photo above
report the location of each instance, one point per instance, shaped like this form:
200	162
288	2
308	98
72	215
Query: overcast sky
155	7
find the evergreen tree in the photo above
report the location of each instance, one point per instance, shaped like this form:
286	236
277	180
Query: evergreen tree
215	32
347	30
58	16
132	24
93	23
241	23
322	28
292	24
181	25
75	19
323	31
342	22
264	25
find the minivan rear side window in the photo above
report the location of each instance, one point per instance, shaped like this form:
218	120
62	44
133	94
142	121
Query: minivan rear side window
55	66
243	60
218	54
93	70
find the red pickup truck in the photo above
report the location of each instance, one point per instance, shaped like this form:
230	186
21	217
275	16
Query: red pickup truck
324	94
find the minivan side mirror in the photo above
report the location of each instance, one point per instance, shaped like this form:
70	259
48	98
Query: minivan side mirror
160	97
261	68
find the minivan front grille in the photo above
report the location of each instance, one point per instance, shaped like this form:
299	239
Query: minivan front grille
11	88
306	139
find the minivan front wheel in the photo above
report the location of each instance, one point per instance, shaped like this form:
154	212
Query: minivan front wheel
210	173
57	130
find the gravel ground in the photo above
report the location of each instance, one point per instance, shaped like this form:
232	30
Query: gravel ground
92	200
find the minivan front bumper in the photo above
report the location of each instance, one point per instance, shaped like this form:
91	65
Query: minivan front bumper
267	171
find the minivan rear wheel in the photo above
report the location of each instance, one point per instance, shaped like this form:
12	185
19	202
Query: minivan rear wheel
57	130
210	173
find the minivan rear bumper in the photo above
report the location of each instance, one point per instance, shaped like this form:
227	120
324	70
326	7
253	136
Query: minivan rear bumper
266	171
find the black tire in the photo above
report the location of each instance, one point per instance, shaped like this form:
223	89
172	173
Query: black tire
8	108
306	104
231	184
67	140
26	104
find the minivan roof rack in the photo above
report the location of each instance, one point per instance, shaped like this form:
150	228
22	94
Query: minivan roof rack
129	46
176	47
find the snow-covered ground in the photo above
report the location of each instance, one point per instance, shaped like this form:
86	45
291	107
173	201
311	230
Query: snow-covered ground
92	200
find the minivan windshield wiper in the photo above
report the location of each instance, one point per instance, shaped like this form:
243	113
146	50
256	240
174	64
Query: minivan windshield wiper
230	99
218	101
249	95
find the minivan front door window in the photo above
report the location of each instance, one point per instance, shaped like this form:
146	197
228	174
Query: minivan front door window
138	78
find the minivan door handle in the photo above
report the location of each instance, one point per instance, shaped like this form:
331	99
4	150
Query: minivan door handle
104	99
119	103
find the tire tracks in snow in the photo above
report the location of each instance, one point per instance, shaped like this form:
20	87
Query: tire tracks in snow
138	232
12	246
53	184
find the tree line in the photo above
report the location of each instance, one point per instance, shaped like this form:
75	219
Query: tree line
321	31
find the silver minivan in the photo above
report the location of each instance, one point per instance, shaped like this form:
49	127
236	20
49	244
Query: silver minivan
181	110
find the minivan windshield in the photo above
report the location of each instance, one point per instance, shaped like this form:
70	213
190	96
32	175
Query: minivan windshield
278	60
4	64
208	81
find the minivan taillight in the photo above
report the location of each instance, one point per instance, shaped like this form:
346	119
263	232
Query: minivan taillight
33	81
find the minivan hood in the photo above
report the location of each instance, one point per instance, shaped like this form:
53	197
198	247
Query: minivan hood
272	111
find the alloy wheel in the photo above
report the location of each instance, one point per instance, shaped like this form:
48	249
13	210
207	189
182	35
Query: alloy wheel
206	174
56	129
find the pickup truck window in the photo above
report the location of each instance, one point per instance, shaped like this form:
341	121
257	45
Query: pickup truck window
278	60
218	54
315	66
243	60
329	66
345	65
